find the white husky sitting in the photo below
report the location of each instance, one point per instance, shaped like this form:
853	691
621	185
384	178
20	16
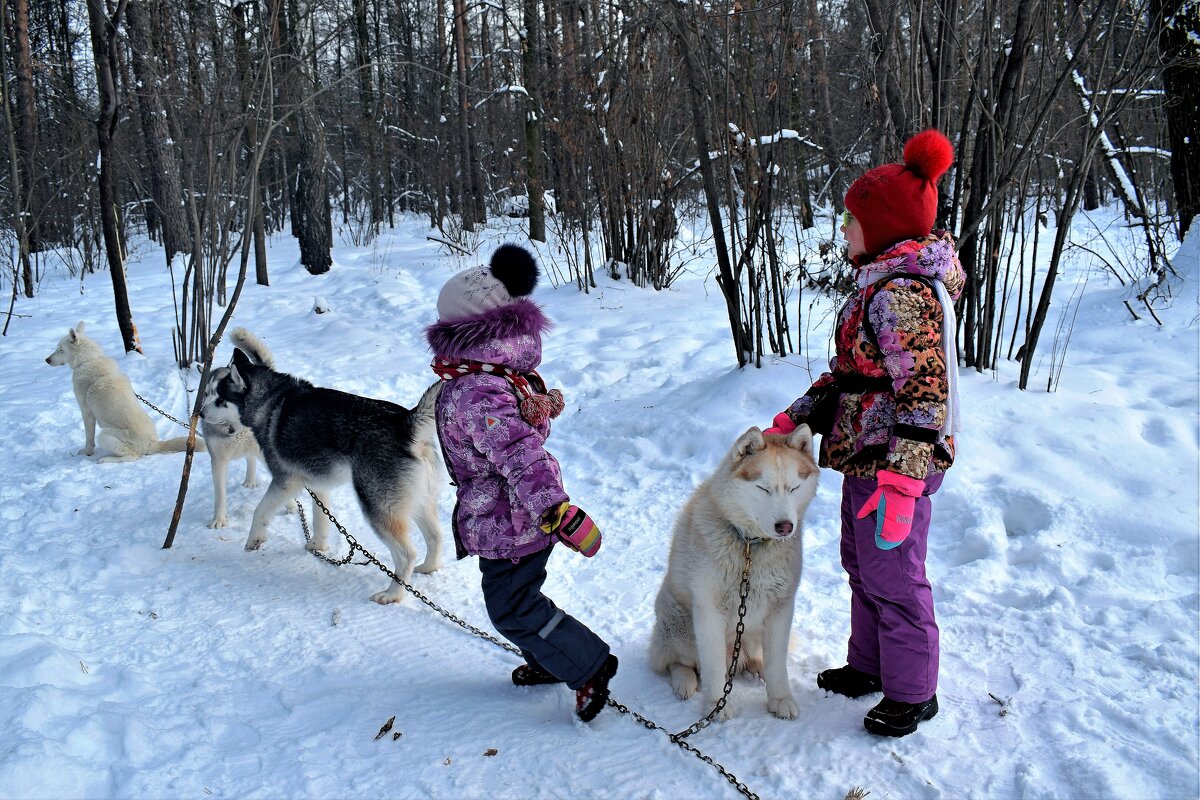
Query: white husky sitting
105	396
228	439
759	494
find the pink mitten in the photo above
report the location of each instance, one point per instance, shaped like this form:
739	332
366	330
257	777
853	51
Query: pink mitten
574	527
782	425
893	501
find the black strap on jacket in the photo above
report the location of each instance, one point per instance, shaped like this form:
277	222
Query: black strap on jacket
854	383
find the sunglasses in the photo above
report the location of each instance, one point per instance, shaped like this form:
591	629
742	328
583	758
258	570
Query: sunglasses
847	218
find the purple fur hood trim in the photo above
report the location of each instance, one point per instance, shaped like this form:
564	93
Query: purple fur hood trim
510	335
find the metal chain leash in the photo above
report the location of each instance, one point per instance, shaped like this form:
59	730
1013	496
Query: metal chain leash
159	410
650	724
675	738
337	562
370	557
743	592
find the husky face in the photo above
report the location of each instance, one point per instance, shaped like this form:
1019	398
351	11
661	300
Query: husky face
215	409
65	352
225	395
773	480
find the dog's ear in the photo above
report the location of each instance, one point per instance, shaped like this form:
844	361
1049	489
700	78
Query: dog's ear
249	356
749	442
801	439
238	370
236	380
240	359
77	331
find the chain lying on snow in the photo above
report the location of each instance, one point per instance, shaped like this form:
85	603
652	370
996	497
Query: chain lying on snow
367	554
675	738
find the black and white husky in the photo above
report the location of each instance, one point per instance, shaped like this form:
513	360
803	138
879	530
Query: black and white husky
319	438
227	438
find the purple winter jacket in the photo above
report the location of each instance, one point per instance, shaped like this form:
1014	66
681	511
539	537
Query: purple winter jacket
506	479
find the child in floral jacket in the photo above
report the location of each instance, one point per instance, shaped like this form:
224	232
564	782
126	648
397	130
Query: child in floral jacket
887	411
493	417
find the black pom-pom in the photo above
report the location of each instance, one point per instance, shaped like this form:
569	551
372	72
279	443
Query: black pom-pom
515	267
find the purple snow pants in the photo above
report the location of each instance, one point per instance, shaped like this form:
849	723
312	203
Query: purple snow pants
892	630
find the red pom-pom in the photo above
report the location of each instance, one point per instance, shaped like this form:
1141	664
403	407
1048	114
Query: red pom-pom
929	154
536	409
557	404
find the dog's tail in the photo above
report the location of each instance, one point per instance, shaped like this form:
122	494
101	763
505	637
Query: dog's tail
252	346
426	408
177	445
424	416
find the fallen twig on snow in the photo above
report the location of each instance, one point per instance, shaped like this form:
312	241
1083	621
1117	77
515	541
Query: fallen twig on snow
387	726
1004	704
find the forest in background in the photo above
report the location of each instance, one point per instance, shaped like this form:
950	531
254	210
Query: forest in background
208	126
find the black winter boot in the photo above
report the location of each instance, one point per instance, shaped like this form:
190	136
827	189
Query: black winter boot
530	675
849	681
896	718
591	698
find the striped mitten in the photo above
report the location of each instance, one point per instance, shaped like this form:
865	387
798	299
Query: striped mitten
573	525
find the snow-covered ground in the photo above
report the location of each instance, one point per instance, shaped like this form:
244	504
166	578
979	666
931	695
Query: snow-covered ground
1065	559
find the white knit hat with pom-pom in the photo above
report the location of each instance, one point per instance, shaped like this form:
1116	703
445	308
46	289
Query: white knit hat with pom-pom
511	275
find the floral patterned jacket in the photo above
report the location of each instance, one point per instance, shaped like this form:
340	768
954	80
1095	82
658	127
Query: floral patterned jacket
883	402
506	480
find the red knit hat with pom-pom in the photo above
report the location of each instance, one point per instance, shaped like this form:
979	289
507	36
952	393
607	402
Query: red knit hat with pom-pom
899	201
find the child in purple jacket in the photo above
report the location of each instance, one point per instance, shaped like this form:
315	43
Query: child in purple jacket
493	417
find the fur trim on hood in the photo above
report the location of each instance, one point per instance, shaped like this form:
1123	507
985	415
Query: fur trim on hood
465	337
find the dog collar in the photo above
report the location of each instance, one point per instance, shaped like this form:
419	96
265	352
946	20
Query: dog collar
750	540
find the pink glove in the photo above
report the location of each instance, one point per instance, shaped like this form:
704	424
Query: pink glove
782	426
895	498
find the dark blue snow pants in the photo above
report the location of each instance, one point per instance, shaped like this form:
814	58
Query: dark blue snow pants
549	638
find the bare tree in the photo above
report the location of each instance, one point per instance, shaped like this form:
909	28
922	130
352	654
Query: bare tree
164	174
1178	21
22	269
309	194
104	48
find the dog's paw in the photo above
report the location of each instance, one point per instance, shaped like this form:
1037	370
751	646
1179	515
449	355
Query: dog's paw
313	546
219	521
85	451
388	596
254	544
783	707
725	713
250	483
428	567
684	682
